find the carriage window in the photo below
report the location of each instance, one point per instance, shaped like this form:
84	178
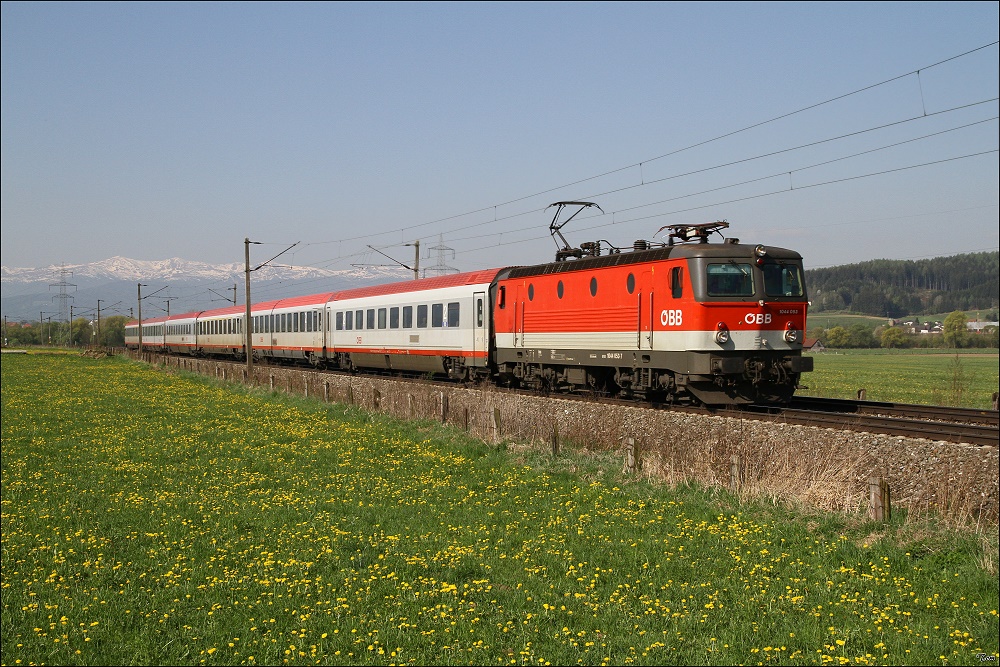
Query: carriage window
370	324
349	320
677	282
340	321
452	314
295	321
421	317
359	322
381	318
730	279
407	317
479	311
437	315
394	318
782	280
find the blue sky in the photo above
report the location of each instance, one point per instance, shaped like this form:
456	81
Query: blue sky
176	130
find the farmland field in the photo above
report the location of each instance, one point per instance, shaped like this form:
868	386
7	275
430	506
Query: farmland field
925	377
155	518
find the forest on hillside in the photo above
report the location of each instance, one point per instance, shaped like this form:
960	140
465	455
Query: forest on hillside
897	288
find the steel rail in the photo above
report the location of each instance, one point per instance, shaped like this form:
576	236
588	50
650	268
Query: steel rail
921	412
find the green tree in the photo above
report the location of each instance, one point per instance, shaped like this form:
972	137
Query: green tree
954	329
894	337
837	337
860	335
113	331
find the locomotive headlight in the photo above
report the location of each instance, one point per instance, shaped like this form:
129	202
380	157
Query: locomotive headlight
722	333
760	252
791	335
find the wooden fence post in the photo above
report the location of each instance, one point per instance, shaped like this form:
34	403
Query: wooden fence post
326	391
465	419
734	472
270	379
631	456
444	408
376	399
555	438
305	383
879	499
350	394
409	405
861	394
496	425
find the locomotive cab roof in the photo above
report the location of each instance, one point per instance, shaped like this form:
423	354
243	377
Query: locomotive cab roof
727	250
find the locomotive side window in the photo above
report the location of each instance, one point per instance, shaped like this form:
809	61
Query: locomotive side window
677	282
559	289
407	317
453	314
394	318
381	318
531	292
340	321
730	279
437	315
782	280
630	283
422	317
593	287
502	297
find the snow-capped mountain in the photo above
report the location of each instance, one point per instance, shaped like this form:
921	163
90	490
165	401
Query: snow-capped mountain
123	268
191	285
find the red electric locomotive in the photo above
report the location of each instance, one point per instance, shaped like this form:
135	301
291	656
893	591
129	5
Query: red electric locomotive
716	323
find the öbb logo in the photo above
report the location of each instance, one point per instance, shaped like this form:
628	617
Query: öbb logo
757	318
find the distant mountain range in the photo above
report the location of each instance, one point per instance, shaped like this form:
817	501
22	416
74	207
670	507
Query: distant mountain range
123	268
31	293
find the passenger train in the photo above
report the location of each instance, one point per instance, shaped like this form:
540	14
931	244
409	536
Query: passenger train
685	320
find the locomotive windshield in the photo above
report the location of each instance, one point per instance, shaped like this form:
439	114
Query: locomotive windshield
730	279
782	280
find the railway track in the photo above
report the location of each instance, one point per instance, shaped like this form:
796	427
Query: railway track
959	425
965	425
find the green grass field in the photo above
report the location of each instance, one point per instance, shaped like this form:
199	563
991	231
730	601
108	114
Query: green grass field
928	377
153	518
846	320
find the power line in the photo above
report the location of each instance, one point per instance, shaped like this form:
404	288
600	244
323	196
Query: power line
679	150
703	170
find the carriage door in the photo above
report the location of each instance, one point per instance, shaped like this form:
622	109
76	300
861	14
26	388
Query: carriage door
647	312
478	327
